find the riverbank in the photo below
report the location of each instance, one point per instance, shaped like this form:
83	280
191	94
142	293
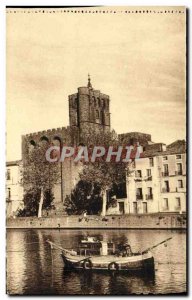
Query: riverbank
144	221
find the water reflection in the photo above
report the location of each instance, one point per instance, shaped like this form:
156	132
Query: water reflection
99	283
32	268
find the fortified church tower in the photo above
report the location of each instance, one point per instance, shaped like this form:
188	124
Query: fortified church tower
89	111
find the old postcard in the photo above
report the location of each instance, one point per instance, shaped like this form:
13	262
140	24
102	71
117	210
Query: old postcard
96	150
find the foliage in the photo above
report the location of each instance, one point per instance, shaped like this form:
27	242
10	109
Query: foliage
84	197
102	174
39	177
48	200
38	172
31	203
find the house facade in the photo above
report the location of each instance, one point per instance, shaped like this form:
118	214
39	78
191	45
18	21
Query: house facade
157	182
14	189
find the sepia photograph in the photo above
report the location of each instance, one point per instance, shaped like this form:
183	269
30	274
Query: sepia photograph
96	150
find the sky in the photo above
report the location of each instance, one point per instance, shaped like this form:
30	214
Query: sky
139	60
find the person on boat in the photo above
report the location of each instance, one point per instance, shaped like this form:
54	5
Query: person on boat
128	250
124	249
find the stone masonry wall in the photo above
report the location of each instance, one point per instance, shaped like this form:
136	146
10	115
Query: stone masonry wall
58	136
152	221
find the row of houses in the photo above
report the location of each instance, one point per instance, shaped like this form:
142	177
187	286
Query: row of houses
156	183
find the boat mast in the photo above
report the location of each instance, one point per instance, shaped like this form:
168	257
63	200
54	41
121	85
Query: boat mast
150	248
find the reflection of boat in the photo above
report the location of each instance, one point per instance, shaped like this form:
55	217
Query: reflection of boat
93	254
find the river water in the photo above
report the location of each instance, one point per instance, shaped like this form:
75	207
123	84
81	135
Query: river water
32	268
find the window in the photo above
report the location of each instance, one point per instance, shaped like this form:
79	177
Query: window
180	183
135	207
178	202
139	194
149	177
138	173
139	191
8	174
149	190
166	170
94	101
97	114
165	203
166	186
103	117
178	156
57	141
145	209
148	172
44	140
9	193
149	193
151	163
179	169
164	157
32	145
122	207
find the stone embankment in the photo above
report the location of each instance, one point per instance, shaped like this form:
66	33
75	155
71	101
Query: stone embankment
147	221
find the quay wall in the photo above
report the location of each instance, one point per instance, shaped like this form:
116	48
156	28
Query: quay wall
144	221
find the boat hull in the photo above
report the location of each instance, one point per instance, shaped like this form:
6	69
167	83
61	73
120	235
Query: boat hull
110	263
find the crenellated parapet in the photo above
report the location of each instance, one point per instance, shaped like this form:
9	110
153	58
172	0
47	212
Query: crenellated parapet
56	136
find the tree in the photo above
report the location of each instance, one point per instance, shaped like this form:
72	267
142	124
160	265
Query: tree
102	173
84	197
39	177
31	200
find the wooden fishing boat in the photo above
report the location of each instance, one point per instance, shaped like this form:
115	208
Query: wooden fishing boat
93	254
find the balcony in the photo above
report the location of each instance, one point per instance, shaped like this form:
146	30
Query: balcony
178	173
149	197
165	174
139	197
138	179
165	190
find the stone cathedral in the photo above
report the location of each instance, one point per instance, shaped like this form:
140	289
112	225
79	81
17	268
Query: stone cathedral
89	112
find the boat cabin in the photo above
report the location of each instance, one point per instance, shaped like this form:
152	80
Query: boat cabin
92	246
